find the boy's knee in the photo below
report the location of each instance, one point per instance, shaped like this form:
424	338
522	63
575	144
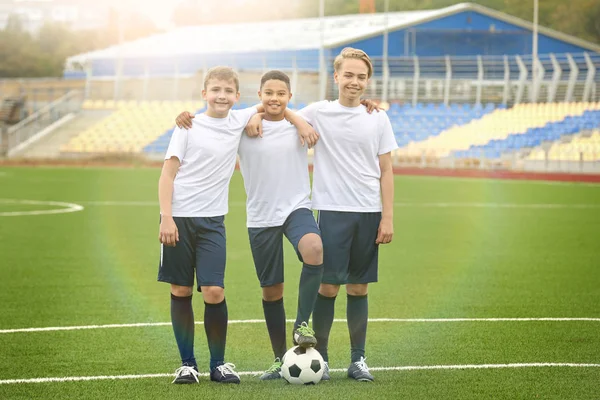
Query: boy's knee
328	290
273	293
213	294
311	249
360	289
182	291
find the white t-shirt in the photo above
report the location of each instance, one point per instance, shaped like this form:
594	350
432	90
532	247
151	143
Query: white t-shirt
207	153
346	164
275	171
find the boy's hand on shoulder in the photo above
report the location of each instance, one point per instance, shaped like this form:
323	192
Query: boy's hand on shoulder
169	234
307	135
371	105
254	126
385	232
184	120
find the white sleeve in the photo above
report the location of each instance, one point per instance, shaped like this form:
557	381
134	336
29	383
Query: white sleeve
387	140
245	114
178	144
309	112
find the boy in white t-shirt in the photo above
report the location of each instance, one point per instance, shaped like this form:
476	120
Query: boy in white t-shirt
275	172
353	191
193	196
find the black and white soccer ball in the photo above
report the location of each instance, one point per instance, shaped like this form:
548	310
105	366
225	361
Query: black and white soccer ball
302	366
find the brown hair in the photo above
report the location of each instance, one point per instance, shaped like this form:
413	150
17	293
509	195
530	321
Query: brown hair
224	74
348	53
275	75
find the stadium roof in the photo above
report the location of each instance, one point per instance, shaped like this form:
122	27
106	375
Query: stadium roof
294	35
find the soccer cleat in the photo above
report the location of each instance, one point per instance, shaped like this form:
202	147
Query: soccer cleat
225	373
325	376
359	371
304	336
274	371
186	374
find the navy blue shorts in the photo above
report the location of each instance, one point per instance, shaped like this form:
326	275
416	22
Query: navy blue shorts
267	244
200	252
350	254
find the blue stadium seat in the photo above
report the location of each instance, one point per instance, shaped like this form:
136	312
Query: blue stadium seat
552	131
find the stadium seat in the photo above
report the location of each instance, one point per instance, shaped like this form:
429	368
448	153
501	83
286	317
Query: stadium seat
130	128
524	125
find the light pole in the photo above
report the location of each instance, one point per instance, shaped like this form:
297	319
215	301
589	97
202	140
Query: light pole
534	66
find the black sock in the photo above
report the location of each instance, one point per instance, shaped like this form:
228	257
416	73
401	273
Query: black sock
322	321
275	318
310	280
215	325
357	313
182	319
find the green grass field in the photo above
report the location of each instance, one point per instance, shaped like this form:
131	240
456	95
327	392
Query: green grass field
463	249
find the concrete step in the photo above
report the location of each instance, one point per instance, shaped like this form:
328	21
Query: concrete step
49	146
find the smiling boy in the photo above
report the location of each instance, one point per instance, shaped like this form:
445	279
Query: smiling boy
353	191
275	172
193	196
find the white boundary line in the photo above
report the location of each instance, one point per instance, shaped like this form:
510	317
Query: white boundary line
402	368
259	321
397	204
501	180
64	207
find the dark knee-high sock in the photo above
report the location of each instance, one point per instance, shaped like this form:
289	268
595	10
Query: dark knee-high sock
182	319
357	313
322	321
310	280
275	318
215	325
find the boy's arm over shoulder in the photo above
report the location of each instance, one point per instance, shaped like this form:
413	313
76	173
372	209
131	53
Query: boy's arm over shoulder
309	112
245	114
306	132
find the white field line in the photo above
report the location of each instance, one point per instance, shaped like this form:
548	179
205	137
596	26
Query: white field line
500	180
397	204
260	321
402	368
62	207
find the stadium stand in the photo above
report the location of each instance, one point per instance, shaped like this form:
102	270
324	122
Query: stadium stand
129	128
580	148
535	136
524	125
412	124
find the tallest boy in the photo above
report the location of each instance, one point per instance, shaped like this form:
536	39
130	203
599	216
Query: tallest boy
353	190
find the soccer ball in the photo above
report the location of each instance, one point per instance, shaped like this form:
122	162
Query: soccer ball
302	366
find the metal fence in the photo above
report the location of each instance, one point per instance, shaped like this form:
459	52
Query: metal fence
18	134
504	80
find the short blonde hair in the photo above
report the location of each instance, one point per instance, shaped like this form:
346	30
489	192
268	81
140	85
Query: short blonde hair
223	74
349	53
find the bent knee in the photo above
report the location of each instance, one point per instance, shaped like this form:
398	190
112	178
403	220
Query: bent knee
311	249
213	294
182	291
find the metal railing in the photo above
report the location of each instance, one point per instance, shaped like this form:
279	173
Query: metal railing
41	119
504	80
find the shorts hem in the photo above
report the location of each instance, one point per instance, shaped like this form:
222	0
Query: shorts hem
265	284
174	282
219	284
